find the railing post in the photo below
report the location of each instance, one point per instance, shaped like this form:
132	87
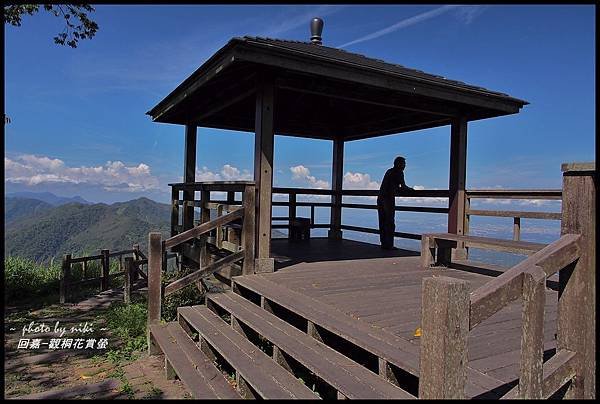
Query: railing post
204	217
136	257
577	283
291	214
532	335
128	279
65	277
219	230
444	327
174	210
517	228
155	265
248	229
104	284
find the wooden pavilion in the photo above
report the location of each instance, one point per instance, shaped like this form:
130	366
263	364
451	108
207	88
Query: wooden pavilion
336	322
290	88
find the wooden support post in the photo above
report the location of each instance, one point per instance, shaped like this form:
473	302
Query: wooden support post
517	228
458	177
263	170
445	326
155	264
105	270
189	175
65	278
128	279
248	227
577	284
532	334
230	197
337	177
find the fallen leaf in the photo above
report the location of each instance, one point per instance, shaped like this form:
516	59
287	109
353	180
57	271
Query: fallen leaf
418	332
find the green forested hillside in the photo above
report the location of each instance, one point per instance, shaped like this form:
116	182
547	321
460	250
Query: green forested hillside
76	228
19	208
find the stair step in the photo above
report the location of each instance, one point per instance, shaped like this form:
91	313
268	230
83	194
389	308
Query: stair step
342	373
258	370
192	366
390	347
385	345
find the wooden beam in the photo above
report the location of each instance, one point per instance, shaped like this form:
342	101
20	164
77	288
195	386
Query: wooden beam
337	177
348	92
376	77
457	180
400	127
263	170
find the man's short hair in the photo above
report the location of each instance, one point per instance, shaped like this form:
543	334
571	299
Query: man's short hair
399	160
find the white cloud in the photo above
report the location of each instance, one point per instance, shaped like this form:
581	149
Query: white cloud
29	169
302	174
227	173
359	181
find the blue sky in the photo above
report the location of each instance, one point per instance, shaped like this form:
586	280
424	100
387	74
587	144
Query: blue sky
78	123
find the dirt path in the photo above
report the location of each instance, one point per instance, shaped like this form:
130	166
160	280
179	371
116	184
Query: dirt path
77	372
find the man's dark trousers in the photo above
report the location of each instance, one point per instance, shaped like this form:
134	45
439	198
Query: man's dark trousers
386	211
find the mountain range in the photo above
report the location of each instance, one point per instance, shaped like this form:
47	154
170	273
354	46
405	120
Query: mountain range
38	230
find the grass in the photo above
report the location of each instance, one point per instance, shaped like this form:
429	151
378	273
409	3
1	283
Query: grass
128	324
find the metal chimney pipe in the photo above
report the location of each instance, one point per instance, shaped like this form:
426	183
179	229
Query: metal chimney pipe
316	29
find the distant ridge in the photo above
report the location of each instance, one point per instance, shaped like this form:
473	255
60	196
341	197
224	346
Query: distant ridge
49	198
83	228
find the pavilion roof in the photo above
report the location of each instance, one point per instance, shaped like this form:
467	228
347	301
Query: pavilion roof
323	92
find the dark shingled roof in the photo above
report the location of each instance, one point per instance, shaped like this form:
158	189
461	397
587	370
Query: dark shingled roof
341	55
385	97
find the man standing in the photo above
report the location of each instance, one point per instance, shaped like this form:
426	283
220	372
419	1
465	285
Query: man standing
393	181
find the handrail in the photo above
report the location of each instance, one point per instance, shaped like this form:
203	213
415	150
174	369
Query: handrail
514	193
497	293
203	228
196	275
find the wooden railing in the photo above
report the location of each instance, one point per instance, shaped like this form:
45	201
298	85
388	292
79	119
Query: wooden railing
131	269
523	194
292	203
243	211
450	311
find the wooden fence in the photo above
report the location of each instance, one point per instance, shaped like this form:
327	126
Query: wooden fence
129	267
244	212
450	311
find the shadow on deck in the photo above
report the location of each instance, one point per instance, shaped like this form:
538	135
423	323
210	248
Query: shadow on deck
288	253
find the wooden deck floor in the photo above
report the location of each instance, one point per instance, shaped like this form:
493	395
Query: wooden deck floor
383	288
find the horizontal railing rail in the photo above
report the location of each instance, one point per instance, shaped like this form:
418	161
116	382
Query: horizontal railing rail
500	291
524	194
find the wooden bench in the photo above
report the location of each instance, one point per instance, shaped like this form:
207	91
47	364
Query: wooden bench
299	228
445	242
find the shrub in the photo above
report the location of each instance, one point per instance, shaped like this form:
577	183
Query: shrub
24	277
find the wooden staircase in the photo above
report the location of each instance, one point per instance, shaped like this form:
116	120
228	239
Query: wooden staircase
265	356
